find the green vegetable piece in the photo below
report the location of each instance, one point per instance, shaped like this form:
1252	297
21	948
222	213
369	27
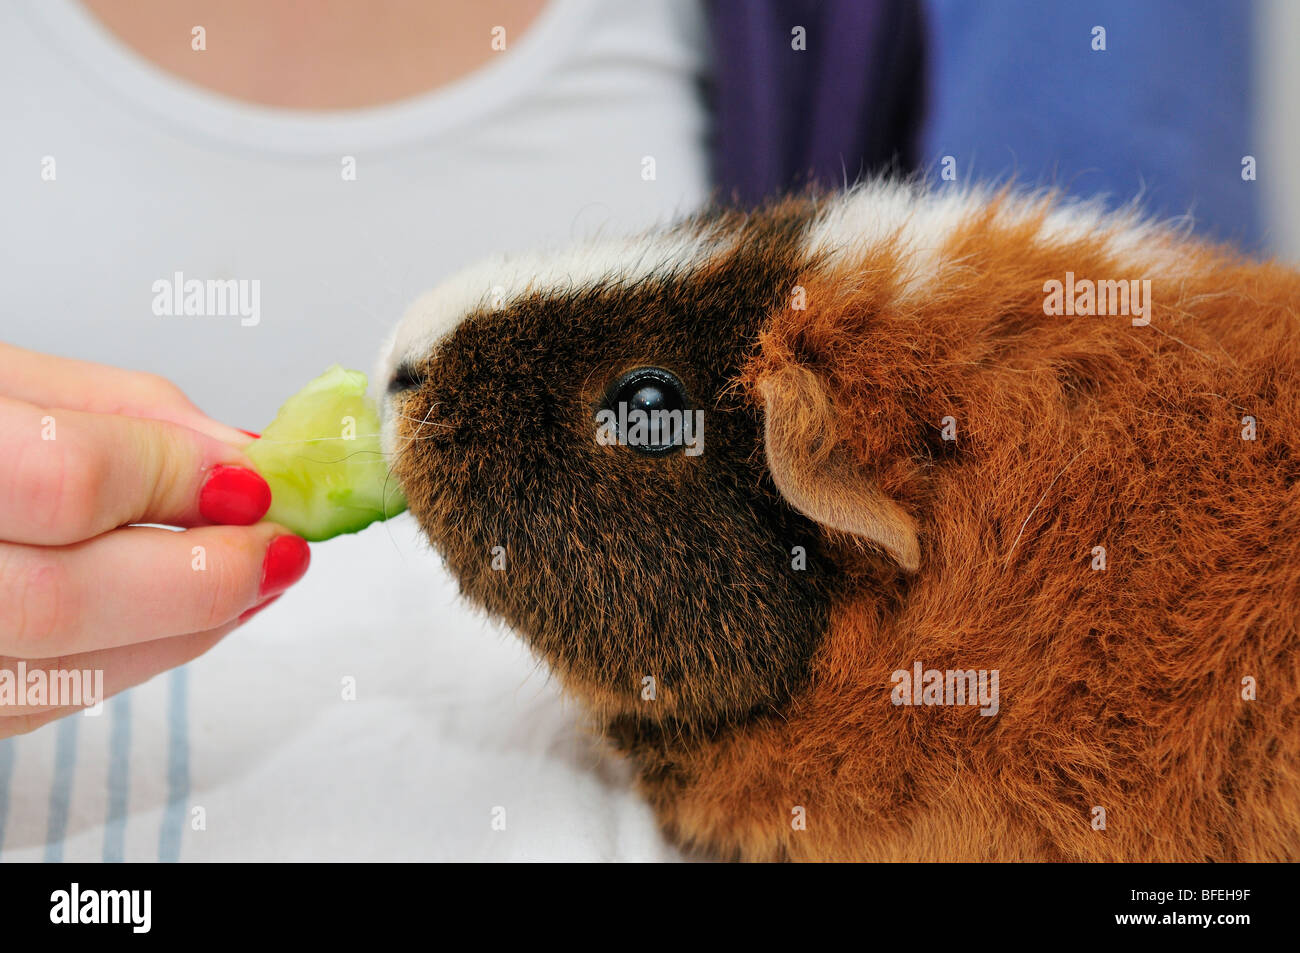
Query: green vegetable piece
322	459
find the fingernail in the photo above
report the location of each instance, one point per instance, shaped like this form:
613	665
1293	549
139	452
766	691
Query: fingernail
287	559
256	609
235	496
249	433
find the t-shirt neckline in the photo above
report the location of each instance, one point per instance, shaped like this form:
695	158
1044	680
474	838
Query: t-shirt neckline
194	110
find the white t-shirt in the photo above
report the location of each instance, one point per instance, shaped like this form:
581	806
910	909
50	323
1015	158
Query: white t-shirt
116	177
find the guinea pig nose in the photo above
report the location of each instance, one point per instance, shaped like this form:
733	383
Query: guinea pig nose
405	378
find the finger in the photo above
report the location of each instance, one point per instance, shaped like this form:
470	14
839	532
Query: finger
138	584
74	682
48	381
67	475
25	724
121	668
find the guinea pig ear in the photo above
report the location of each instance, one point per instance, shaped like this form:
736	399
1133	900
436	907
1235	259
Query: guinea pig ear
816	474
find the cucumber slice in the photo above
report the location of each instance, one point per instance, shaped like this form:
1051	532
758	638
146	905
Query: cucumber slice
322	459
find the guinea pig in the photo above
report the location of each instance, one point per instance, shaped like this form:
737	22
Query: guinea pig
966	528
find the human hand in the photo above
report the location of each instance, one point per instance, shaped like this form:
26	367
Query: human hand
85	452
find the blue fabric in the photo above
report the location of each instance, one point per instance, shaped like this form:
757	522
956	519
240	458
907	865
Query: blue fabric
1015	88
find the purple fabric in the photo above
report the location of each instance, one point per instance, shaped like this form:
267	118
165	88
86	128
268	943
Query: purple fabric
848	105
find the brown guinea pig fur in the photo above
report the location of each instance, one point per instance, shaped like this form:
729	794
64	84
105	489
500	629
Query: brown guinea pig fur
937	439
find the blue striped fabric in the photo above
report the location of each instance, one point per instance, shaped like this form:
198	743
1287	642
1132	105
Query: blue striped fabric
63	785
65	769
178	770
119	775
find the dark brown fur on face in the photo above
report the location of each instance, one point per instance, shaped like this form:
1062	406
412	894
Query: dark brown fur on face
1122	688
618	566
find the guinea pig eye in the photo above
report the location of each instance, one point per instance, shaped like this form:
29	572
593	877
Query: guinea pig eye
405	378
645	407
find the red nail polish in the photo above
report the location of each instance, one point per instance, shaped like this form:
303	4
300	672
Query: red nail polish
287	559
255	436
256	609
234	496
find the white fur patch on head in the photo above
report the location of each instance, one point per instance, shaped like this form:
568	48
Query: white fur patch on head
493	284
917	222
914	222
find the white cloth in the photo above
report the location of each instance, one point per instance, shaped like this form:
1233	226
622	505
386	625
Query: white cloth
453	718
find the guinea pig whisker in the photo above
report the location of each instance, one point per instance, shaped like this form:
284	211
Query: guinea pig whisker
1016	541
316	439
425	422
422	423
